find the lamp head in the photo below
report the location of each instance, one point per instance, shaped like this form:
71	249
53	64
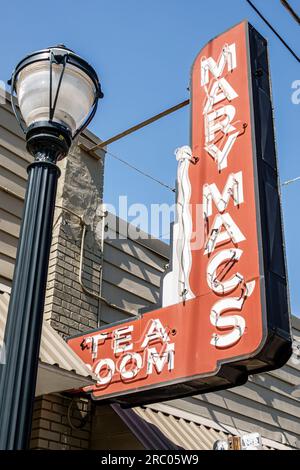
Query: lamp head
57	93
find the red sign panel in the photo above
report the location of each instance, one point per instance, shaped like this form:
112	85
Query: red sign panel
231	317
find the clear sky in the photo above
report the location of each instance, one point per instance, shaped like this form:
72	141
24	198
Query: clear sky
143	51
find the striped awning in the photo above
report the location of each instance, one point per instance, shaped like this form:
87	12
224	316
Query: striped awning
185	434
60	368
163	427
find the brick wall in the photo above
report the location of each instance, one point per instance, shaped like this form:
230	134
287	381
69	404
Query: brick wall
52	428
69	309
67	306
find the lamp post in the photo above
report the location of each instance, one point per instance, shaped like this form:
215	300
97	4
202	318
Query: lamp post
57	93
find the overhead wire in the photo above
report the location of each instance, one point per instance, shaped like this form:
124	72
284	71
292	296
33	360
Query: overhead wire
290	9
138	170
165	185
291	181
147	175
274	30
185	103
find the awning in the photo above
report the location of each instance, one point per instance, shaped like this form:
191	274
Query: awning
163	427
60	369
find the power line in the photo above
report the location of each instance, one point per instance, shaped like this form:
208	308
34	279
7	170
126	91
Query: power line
162	183
121	160
291	10
180	105
274	30
165	185
140	171
291	181
165	113
184	103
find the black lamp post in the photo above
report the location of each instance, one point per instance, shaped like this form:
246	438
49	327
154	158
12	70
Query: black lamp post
57	93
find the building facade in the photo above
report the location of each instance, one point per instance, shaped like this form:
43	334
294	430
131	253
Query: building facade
98	274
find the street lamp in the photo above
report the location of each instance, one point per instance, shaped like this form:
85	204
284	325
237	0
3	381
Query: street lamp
57	95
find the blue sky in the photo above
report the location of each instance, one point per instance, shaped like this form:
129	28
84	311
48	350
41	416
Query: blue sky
143	51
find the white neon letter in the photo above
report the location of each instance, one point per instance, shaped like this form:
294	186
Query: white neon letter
110	366
155	331
95	342
237	322
228	55
212	125
220	91
233	188
122	341
159	361
232	255
217	235
133	371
